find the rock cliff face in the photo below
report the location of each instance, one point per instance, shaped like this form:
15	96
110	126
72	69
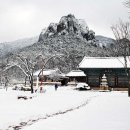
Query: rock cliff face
66	26
72	38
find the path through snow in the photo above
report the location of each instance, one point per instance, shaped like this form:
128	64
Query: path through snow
32	121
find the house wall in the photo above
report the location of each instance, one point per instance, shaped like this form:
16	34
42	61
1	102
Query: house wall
116	78
78	79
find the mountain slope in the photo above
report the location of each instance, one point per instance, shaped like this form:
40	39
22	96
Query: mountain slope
9	47
72	38
104	41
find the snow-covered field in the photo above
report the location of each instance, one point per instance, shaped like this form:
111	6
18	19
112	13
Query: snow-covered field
65	109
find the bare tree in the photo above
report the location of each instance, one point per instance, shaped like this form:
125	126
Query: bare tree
4	79
25	64
47	59
121	32
127	3
28	65
44	63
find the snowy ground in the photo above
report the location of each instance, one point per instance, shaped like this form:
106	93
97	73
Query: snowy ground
65	109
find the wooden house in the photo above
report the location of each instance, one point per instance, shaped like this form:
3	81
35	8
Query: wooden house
76	75
113	67
48	75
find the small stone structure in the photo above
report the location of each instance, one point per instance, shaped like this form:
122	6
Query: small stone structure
104	84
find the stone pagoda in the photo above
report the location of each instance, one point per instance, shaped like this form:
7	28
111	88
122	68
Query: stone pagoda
104	84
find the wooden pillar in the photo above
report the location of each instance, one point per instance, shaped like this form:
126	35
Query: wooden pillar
116	81
99	79
87	79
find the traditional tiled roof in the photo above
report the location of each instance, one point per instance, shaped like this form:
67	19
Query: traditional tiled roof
47	72
104	62
75	73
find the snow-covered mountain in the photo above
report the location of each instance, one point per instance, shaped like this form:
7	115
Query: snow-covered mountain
71	38
69	25
104	41
66	26
9	47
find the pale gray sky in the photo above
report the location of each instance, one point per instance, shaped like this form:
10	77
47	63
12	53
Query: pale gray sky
26	18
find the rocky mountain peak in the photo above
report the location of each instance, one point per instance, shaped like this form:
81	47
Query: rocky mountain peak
68	25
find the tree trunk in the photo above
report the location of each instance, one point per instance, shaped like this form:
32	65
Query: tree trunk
37	82
31	83
128	84
25	81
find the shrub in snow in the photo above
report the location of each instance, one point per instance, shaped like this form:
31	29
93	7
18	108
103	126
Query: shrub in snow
21	87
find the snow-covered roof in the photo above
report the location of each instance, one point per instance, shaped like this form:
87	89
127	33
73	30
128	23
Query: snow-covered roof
47	72
104	62
75	73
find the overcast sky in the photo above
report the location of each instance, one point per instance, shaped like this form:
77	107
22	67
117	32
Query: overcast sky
26	18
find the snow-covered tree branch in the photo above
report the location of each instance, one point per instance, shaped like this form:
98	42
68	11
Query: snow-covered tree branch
121	32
